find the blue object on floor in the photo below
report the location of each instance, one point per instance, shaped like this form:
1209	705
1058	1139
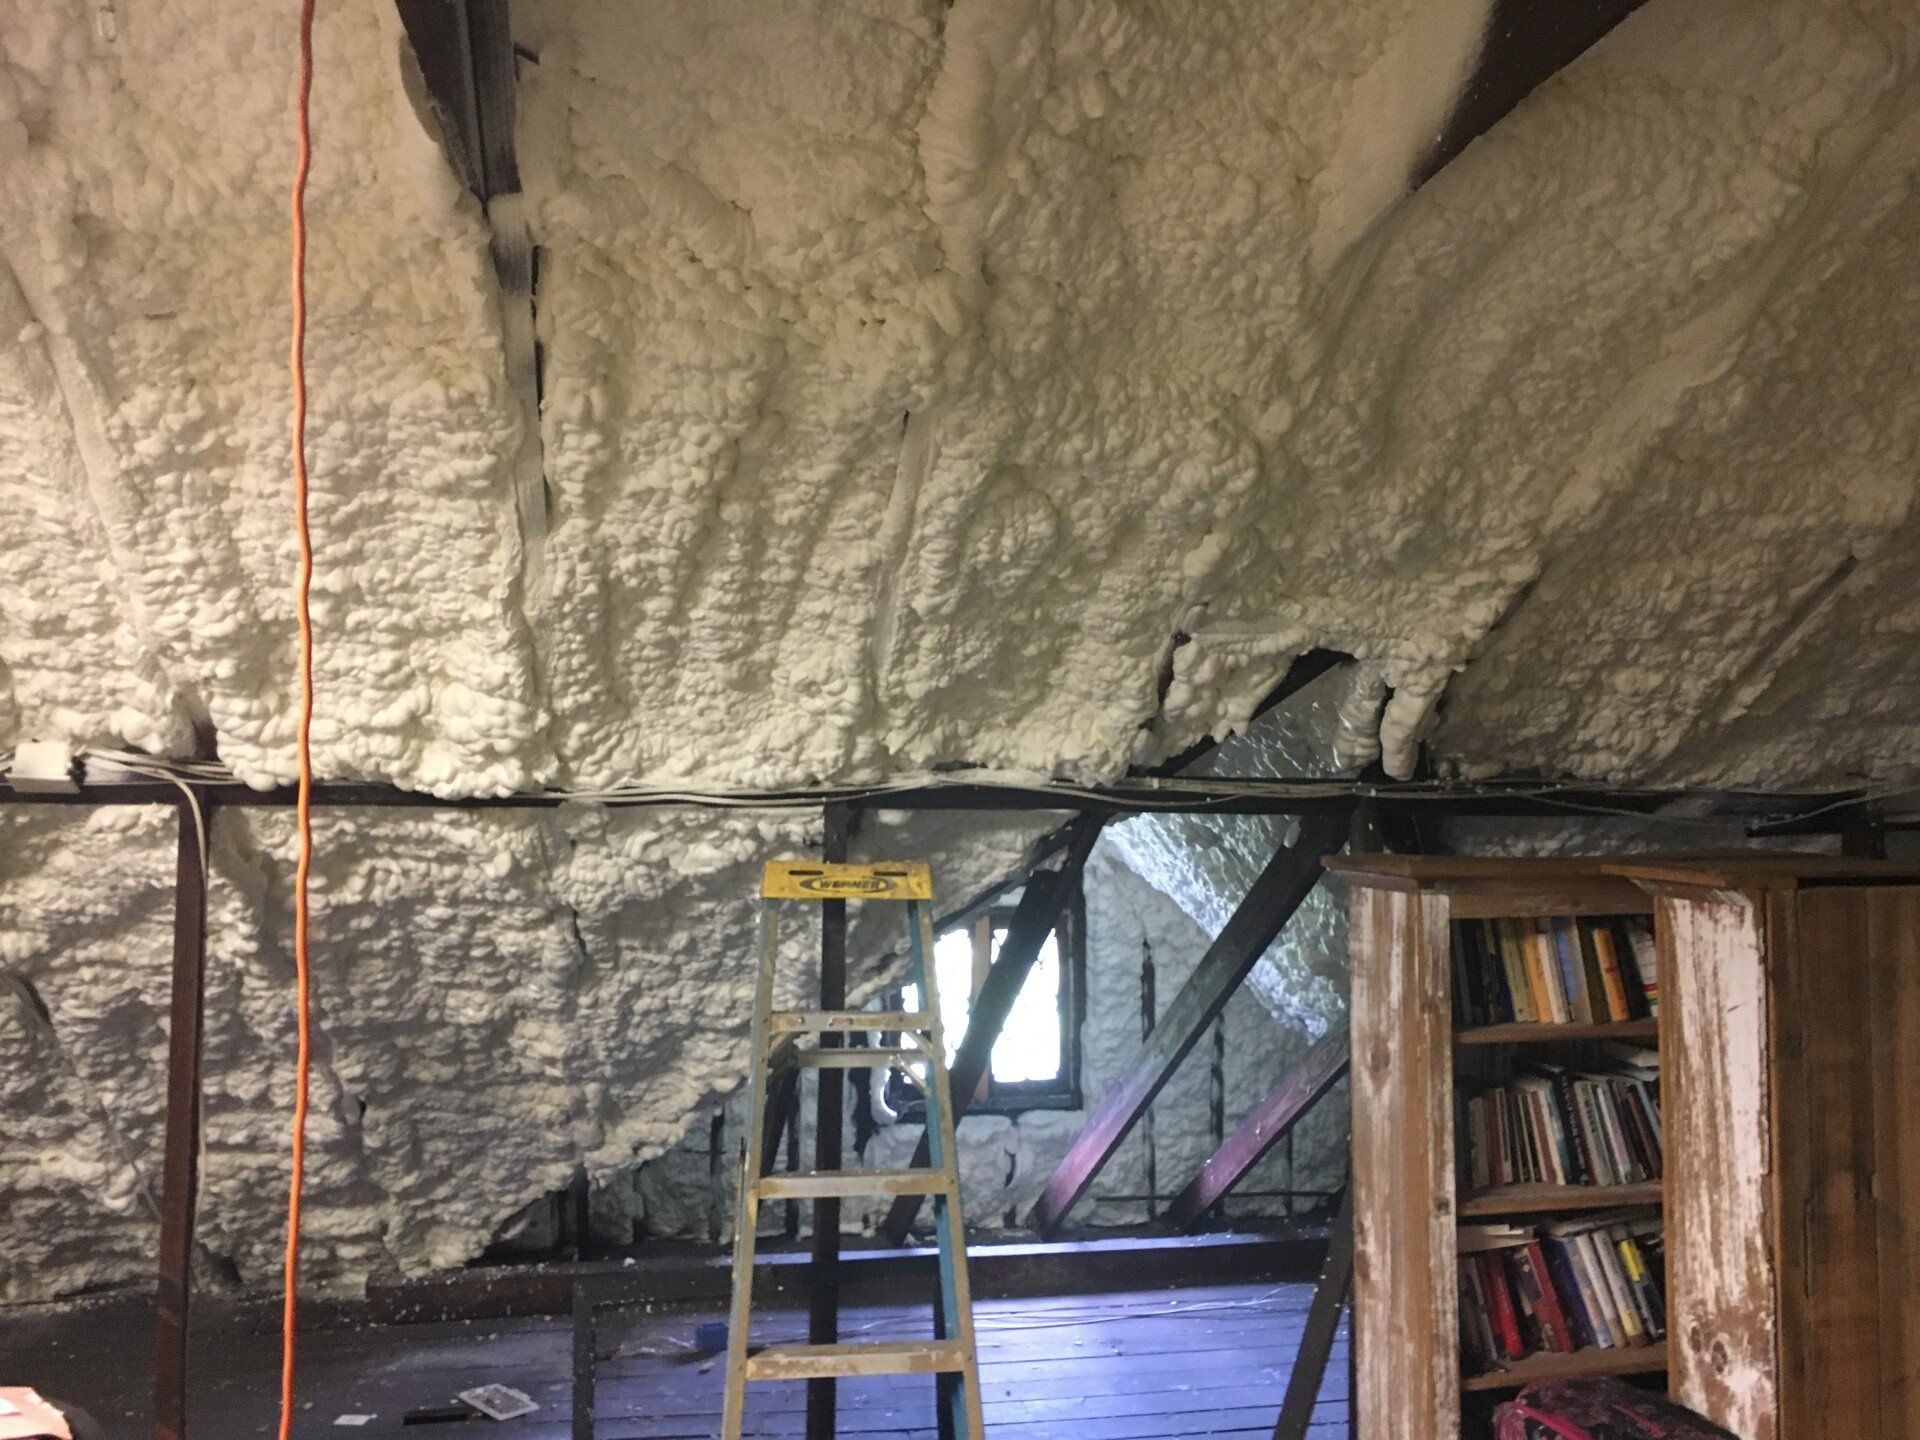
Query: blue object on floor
710	1337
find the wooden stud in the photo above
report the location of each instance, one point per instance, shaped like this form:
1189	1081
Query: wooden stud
823	1297
180	1173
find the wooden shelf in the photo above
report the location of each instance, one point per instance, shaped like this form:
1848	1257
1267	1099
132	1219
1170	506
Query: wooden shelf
1536	1034
1536	1199
1645	1360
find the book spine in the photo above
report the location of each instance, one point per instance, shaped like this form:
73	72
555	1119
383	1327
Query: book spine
1519	973
1563	1094
1573	1302
1553	1317
1612	980
1500	1005
1506	1320
1652	1304
1572	975
1540	975
1607	1261
1646	962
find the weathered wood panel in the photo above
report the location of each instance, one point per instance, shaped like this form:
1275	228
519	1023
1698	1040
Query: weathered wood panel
1405	1299
1894	985
1824	1143
1720	1215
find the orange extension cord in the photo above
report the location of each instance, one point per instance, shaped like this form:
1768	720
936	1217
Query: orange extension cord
303	608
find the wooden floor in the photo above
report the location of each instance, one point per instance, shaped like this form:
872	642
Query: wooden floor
1134	1366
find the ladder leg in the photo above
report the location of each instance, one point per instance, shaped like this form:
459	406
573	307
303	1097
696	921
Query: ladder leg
958	1395
747	1203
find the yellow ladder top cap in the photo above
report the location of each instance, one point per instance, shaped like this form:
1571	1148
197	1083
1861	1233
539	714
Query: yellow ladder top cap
818	880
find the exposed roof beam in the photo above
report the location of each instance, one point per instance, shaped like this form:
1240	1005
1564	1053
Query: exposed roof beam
1270	903
466	55
1527	43
1034	919
1266	1125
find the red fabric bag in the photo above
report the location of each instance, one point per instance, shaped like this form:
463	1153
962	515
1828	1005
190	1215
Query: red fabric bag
1598	1409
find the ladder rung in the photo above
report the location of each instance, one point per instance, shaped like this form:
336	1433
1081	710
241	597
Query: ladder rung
887	1357
827	1184
786	1022
853	1057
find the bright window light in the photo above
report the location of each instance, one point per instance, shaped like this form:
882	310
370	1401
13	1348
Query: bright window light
1029	1048
1029	1045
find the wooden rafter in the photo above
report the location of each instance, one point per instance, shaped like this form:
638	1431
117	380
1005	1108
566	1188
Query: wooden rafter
1266	1125
466	56
1041	903
1270	902
1527	43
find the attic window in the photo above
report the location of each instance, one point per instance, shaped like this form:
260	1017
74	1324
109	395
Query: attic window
1035	1063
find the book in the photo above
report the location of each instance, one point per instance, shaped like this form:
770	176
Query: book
1593	1295
1519	978
1549	1125
1611	976
1585	1282
1503	1313
1564	945
1550	1000
1531	1264
1568	1287
1653	1304
1565	969
1646	964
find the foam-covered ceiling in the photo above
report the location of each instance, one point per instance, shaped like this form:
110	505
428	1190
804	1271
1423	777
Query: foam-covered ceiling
913	375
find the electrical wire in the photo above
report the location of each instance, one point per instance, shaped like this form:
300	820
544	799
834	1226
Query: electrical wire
303	810
1191	795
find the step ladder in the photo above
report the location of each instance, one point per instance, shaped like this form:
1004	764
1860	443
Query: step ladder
813	1039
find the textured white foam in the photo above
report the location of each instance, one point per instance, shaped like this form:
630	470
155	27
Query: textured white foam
913	375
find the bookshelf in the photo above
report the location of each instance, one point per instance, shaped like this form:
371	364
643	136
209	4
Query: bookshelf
1414	1059
1557	1199
1789	1034
1580	1364
1558	1033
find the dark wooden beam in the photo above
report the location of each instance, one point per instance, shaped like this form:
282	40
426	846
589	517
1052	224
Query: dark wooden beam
1863	833
1527	43
467	59
1041	903
823	1292
1304	670
180	1163
1266	1125
700	1275
1323	1323
1270	902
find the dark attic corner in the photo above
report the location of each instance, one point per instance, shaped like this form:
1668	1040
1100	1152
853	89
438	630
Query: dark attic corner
1012	719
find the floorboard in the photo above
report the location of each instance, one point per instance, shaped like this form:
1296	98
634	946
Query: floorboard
1157	1365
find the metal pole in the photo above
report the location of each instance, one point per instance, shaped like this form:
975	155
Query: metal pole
180	1174
823	1297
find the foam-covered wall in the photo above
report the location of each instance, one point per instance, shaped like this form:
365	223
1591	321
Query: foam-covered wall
915	376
